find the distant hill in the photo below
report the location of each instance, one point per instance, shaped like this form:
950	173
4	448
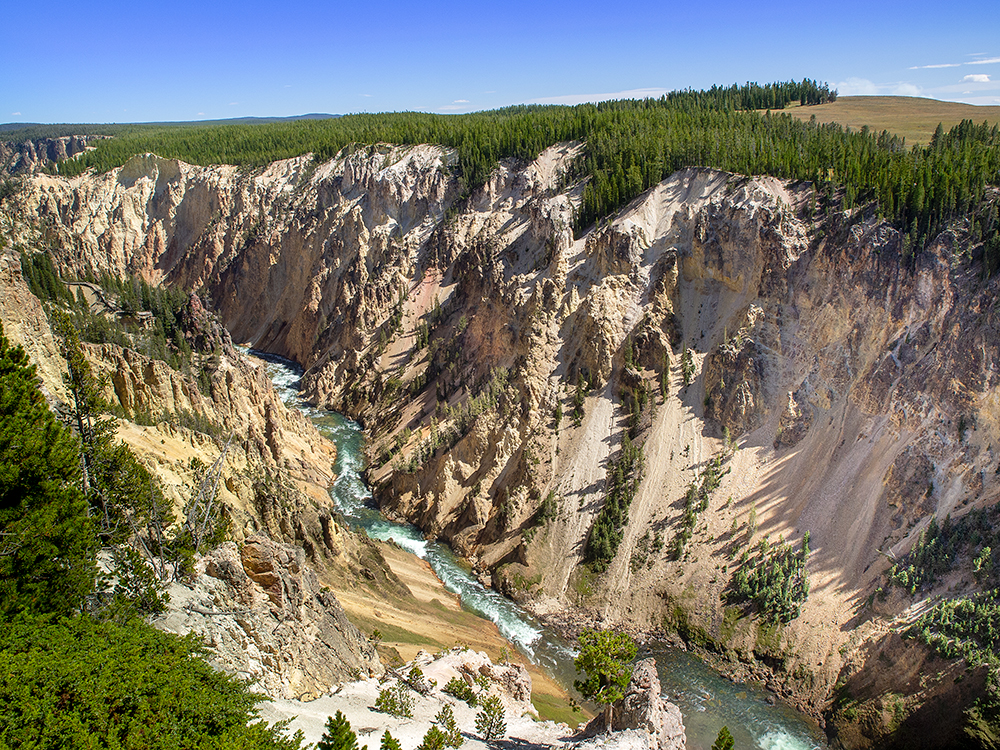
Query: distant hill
910	117
19	131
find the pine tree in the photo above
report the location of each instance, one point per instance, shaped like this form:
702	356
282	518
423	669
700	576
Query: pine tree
606	658
389	742
47	541
724	741
446	721
339	735
434	739
490	721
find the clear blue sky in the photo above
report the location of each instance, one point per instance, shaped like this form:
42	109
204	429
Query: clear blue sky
182	60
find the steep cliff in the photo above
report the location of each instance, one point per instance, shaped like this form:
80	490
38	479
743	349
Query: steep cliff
264	615
500	363
35	154
257	601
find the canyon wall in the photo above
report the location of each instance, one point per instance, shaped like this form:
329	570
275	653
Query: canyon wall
848	387
31	156
257	601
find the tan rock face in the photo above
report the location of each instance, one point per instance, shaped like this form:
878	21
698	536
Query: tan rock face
889	363
258	605
264	616
24	323
644	708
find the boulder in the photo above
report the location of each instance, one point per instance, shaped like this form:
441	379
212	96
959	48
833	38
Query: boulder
644	709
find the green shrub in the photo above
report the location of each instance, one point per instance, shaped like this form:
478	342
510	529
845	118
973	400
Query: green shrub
490	721
77	682
338	735
460	689
624	476
774	579
445	719
395	700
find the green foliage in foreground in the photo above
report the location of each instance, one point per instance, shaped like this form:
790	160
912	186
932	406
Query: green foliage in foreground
724	740
389	742
81	683
632	145
774	578
490	721
47	541
69	680
460	689
445	720
339	735
395	700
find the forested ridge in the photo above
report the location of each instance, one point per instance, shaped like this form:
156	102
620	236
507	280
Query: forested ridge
632	145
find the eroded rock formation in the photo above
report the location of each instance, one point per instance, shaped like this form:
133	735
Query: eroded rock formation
264	616
30	156
499	361
643	708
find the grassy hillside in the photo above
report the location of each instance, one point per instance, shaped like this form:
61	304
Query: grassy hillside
909	117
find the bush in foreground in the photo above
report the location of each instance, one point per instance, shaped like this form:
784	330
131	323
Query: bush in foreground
78	682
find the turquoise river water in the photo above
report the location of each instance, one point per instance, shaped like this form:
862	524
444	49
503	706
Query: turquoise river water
706	699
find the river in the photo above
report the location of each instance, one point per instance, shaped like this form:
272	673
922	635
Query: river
706	699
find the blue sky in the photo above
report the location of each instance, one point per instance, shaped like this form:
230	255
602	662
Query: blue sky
182	60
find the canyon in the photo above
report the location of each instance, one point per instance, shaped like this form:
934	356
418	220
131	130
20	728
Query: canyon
501	366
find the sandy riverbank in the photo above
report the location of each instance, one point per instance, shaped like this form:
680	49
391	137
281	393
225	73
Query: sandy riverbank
429	617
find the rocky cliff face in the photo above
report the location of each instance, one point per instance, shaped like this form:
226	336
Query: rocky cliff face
33	155
257	602
264	616
643	708
499	363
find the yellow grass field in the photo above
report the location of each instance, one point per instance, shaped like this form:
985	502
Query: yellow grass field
911	117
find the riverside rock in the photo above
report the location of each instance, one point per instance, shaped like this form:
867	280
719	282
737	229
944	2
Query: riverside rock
644	710
265	617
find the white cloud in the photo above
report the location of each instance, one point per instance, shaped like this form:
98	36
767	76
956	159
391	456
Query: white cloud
201	114
582	98
367	96
978	100
15	114
461	101
233	104
984	61
977	78
857	87
906	89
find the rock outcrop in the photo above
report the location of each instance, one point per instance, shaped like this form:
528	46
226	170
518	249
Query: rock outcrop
264	616
510	682
32	155
499	362
644	709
